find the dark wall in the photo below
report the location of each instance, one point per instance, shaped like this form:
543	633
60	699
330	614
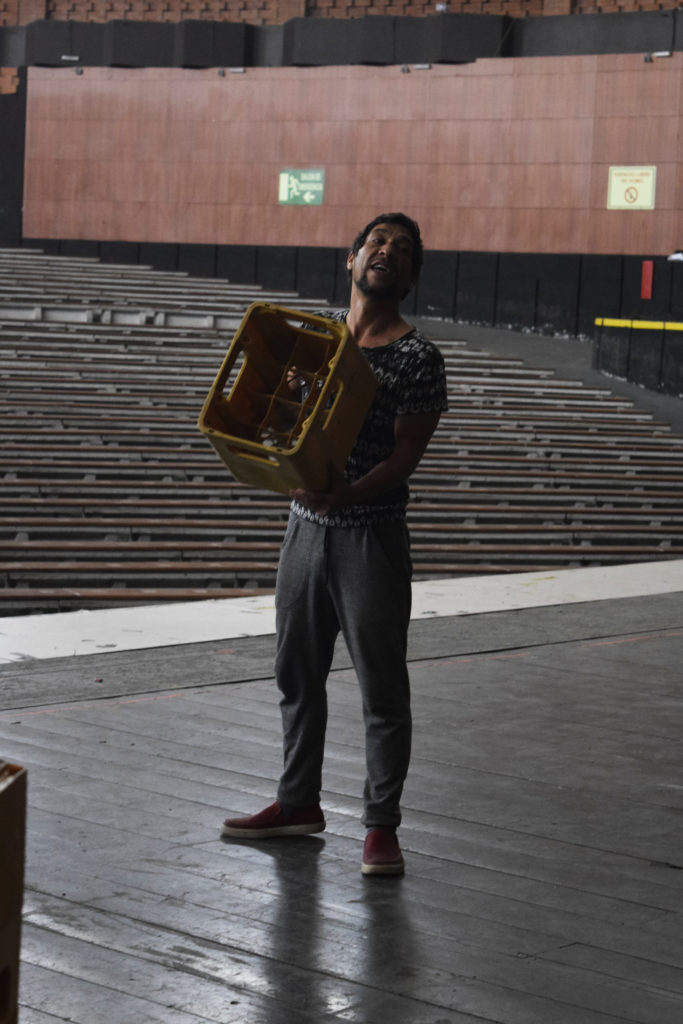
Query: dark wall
646	352
374	39
636	32
12	120
550	294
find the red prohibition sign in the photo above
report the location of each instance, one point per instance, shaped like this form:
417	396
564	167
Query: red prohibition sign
631	194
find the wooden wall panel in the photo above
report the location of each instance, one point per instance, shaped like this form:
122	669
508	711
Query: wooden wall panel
639	90
531	141
553	96
498	155
638	140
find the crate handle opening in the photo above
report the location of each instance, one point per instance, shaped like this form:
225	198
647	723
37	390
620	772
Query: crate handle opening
335	399
265	460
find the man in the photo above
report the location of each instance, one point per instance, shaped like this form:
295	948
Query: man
345	562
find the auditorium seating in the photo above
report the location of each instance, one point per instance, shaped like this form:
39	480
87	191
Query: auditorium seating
112	496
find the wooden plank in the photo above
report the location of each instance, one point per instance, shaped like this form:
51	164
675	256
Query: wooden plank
32	1016
540	813
214	981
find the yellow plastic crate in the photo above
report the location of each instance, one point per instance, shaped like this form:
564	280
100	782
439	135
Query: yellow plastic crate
274	436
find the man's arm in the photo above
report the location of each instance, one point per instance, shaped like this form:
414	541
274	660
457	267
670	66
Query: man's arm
411	435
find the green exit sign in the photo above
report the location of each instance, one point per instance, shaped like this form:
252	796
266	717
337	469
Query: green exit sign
301	188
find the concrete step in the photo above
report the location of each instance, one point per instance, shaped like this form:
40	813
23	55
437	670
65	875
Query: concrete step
107	480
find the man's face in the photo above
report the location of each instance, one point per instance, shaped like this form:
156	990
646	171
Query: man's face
383	266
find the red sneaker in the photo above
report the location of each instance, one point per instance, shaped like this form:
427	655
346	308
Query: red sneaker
274	822
381	853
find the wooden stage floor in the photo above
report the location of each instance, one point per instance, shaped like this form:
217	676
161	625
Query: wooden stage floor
543	834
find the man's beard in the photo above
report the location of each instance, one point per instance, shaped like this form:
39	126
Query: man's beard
382	290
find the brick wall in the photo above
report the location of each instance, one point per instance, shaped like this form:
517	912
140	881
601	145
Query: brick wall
417	8
9	81
276	12
21	12
253	12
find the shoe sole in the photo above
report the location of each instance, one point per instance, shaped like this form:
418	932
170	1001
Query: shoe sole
383	869
271	833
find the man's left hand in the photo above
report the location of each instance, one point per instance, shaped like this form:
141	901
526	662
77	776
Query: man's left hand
324	503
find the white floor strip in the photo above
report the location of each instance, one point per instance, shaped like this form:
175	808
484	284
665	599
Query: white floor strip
65	634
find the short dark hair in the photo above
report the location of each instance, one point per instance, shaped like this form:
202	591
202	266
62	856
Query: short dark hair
411	227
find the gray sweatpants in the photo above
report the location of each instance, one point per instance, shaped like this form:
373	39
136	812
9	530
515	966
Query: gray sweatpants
357	580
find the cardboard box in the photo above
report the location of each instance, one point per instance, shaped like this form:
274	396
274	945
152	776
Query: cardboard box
12	844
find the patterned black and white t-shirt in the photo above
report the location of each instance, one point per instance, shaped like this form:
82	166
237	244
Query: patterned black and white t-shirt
411	379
